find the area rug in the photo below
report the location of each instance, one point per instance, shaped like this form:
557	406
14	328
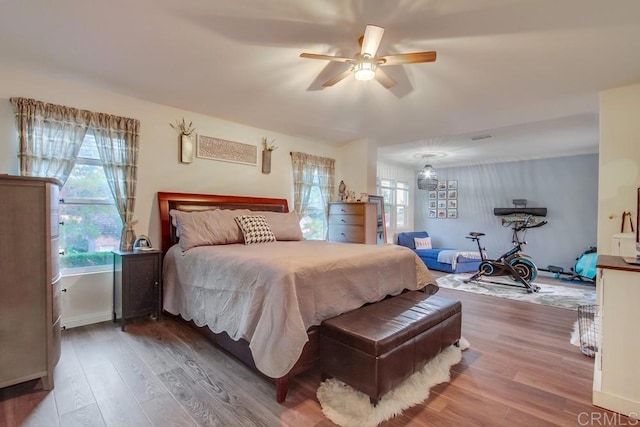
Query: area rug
348	407
554	295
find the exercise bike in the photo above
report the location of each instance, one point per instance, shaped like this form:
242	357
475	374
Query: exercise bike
512	263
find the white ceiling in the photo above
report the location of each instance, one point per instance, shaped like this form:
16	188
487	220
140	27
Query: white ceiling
527	72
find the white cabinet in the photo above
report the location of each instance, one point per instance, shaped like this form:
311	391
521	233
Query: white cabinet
616	379
623	244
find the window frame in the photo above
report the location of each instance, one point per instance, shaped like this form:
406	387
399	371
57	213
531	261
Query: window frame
81	160
391	203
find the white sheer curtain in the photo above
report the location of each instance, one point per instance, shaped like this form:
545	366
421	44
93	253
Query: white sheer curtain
50	137
307	171
117	139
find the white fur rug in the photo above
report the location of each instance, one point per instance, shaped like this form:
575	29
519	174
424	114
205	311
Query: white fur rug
348	407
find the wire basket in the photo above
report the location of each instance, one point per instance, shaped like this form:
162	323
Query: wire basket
588	328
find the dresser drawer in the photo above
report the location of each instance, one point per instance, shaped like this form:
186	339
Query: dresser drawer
346	220
55	346
56	293
55	211
55	259
346	209
346	233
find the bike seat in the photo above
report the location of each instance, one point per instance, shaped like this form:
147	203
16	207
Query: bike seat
475	234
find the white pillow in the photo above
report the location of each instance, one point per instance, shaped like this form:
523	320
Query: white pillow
422	242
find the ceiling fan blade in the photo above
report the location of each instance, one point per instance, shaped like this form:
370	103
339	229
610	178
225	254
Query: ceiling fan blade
371	40
337	78
384	79
325	57
407	58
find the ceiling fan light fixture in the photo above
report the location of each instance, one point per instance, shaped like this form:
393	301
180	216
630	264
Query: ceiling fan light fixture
364	71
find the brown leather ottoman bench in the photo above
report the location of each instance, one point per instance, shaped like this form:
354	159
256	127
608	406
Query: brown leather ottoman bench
376	347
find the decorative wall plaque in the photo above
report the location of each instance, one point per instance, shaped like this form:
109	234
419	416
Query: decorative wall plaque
226	151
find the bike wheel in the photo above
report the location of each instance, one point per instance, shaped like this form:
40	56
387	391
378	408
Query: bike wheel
486	268
525	268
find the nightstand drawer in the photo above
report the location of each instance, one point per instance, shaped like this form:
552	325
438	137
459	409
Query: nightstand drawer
346	220
346	209
346	233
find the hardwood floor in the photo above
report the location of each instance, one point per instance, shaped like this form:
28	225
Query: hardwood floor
520	370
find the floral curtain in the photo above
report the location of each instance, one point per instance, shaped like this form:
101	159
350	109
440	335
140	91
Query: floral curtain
50	137
117	139
306	169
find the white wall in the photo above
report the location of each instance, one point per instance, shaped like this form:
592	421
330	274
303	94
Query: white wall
159	168
619	160
358	169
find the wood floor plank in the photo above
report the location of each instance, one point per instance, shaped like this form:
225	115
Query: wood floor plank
193	398
165	410
87	416
72	389
116	402
37	410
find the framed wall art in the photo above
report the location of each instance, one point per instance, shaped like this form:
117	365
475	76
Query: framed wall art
226	151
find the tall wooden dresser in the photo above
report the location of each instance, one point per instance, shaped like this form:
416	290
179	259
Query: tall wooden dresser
29	280
353	222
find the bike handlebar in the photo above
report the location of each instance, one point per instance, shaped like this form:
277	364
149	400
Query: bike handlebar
527	226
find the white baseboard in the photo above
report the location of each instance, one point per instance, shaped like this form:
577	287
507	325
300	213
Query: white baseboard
87	319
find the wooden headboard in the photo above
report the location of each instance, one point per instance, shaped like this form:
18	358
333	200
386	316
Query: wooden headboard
200	202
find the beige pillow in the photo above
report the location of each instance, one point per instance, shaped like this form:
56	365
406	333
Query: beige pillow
285	226
211	227
422	242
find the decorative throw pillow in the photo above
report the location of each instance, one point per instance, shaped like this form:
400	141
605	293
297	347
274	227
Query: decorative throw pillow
285	226
422	242
255	229
210	227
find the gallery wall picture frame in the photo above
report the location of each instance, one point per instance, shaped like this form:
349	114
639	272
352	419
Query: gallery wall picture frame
442	204
442	213
433	213
433	194
226	151
442	185
452	194
442	194
452	204
433	204
452	184
452	213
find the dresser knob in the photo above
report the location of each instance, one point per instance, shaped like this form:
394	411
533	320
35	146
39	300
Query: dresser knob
343	220
342	234
63	290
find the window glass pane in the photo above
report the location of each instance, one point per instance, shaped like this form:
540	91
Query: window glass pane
89	149
387	195
88	235
385	183
401	217
403	185
402	197
87	182
313	223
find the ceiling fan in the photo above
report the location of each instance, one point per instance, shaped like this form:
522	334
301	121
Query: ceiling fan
366	65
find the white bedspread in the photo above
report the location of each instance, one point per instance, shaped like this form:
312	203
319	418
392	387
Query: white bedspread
270	294
451	256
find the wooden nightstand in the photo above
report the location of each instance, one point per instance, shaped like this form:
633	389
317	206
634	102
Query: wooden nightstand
137	284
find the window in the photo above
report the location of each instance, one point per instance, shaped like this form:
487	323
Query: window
396	203
91	223
314	222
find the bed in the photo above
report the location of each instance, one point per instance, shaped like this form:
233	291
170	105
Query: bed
448	260
266	311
